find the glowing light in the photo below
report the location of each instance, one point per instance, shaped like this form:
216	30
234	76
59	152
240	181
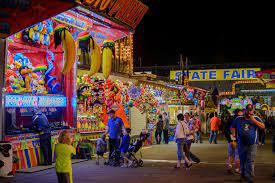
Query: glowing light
35	101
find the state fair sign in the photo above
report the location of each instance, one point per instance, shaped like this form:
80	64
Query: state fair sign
217	74
35	101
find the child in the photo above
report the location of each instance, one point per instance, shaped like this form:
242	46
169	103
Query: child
124	147
64	151
101	148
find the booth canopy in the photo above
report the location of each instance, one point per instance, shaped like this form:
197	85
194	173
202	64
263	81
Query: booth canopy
16	15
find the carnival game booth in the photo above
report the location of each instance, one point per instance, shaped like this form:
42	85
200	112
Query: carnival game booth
33	79
259	92
95	97
41	65
172	99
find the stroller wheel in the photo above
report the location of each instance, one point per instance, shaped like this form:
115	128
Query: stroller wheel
140	163
135	164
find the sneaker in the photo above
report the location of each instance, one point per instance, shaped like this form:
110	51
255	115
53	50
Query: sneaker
237	171
124	166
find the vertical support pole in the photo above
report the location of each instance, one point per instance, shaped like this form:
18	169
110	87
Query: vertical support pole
70	91
2	86
131	64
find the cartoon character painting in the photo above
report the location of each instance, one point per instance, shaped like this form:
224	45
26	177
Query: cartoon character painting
10	78
23	77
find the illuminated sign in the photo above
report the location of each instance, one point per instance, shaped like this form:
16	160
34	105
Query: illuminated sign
129	12
35	101
64	18
236	103
217	74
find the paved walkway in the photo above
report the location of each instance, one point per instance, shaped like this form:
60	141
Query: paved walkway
158	167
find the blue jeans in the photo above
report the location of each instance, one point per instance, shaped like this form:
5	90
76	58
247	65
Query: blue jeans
247	155
198	137
213	134
181	143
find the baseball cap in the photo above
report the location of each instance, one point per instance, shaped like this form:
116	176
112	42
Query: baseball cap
237	111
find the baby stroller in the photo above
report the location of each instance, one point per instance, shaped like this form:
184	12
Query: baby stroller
134	148
117	160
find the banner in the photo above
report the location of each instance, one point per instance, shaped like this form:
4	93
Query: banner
128	12
217	74
35	101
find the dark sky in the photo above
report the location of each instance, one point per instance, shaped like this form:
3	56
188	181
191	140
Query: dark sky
206	33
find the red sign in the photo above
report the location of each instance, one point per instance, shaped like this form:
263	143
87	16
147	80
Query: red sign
18	15
129	12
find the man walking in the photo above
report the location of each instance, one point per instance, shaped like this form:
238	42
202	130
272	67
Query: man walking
166	126
41	125
247	135
114	128
198	129
214	126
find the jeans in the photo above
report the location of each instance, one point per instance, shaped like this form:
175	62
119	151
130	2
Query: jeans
158	136
213	134
233	156
247	155
198	137
261	136
113	145
46	148
165	135
181	144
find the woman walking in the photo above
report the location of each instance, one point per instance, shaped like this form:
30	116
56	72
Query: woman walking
180	138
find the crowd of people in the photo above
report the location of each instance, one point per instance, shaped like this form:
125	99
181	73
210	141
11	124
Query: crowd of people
241	132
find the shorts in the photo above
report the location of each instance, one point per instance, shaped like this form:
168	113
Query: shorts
63	177
100	153
124	154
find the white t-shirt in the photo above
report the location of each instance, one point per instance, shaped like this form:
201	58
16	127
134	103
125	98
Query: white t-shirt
181	130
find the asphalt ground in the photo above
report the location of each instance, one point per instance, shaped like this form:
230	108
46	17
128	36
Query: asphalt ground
159	161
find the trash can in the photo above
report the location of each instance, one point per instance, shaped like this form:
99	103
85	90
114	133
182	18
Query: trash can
5	159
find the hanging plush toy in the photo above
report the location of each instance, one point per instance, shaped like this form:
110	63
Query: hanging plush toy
108	47
63	36
88	45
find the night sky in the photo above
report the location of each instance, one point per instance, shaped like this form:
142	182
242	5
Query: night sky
210	33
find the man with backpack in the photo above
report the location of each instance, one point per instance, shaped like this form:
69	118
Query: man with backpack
247	135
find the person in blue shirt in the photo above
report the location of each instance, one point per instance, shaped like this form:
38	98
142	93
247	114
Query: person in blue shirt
41	125
124	146
114	128
247	136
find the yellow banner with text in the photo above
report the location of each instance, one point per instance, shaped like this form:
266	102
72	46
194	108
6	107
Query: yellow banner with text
217	74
